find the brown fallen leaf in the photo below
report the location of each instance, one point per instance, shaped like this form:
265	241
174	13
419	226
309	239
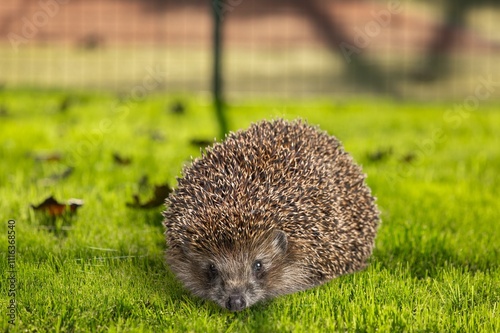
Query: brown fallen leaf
202	143
177	108
74	204
161	192
118	159
48	157
380	154
54	208
66	103
408	158
58	176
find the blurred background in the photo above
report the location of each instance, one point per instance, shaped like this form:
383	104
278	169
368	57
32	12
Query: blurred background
301	49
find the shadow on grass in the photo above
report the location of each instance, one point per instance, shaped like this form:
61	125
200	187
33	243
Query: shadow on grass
59	226
152	271
430	260
151	217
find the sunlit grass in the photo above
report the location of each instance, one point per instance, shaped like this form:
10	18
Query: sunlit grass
435	266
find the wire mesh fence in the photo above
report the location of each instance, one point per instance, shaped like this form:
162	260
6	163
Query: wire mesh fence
278	49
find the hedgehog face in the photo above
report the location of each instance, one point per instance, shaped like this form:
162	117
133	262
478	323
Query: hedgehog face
239	276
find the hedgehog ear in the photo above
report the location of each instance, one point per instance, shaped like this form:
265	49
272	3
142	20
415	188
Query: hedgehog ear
280	240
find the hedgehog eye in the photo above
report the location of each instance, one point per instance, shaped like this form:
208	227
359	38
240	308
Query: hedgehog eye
257	267
212	271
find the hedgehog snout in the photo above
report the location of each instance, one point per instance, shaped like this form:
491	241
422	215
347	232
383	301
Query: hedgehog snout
236	302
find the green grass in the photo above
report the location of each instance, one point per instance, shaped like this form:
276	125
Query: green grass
436	263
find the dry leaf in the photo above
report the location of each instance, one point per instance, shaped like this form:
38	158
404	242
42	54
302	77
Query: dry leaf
161	192
202	143
48	157
58	176
66	103
408	158
177	108
54	208
380	154
118	159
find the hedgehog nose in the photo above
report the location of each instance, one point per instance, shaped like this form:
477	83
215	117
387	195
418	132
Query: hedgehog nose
235	303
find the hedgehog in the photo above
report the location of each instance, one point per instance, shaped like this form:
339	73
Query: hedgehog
272	210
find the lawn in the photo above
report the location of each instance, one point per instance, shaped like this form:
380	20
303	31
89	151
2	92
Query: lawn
435	174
